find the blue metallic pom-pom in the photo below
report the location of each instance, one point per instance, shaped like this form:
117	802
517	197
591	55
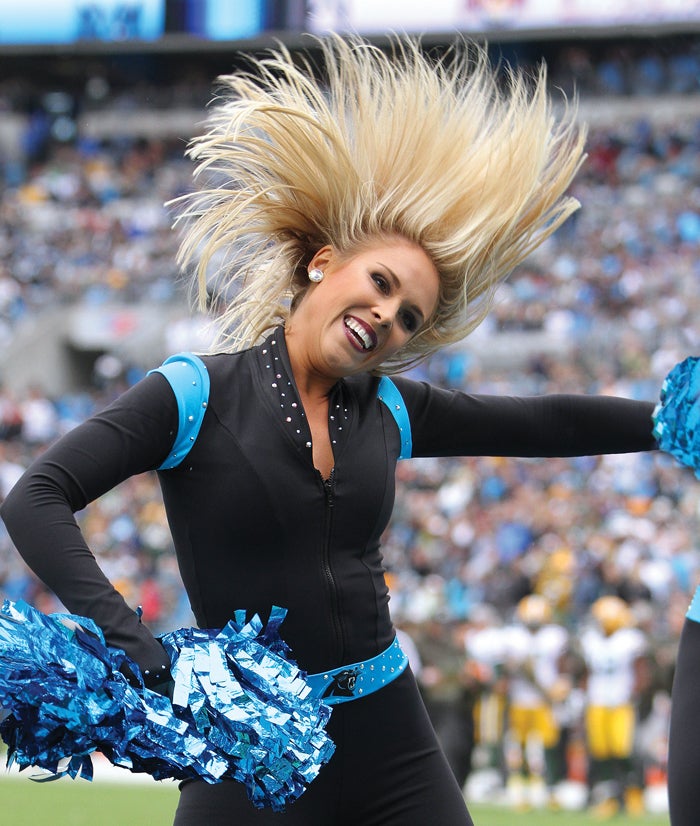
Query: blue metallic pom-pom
677	415
241	708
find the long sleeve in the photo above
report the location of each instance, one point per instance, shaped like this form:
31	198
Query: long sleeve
131	436
684	742
451	423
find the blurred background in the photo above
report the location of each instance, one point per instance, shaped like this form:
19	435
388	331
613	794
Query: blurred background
497	567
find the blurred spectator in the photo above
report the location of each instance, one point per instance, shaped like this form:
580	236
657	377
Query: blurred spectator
10	415
10	468
534	647
484	644
447	691
39	418
614	652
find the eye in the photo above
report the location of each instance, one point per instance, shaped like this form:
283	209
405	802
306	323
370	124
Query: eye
381	281
409	321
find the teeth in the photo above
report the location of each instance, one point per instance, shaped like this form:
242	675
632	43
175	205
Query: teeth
360	332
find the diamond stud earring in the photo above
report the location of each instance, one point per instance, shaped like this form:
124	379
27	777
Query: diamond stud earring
315	275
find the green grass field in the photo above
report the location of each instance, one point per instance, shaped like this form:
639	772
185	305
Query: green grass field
491	816
78	803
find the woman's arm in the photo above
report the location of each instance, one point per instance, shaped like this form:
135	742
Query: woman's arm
451	423
131	436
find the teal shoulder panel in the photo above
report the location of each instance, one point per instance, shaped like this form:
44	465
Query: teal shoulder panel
189	379
390	394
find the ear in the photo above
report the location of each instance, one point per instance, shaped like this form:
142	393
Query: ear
322	258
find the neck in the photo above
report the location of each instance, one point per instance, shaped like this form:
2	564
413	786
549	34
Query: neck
311	385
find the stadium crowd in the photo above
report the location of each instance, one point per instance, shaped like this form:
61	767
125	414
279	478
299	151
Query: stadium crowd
614	297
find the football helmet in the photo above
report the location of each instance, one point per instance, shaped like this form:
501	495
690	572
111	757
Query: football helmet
611	613
534	610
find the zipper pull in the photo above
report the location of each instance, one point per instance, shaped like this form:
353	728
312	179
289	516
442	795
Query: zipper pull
328	487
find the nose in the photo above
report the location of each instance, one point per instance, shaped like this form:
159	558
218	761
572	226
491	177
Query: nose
385	313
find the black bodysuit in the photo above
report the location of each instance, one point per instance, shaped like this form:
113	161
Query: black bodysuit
254	524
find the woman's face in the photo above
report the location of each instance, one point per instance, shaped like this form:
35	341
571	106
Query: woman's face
366	308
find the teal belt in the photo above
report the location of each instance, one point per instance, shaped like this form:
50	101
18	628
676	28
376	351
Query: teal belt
350	682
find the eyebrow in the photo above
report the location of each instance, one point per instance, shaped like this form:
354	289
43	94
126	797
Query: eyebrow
397	284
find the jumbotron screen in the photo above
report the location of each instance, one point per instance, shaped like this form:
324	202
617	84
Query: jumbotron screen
84	22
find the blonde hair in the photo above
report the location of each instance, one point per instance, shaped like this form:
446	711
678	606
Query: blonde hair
470	164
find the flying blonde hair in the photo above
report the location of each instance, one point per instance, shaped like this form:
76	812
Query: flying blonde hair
470	164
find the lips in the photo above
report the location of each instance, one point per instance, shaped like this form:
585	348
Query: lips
361	335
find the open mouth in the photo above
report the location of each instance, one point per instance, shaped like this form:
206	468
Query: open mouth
360	334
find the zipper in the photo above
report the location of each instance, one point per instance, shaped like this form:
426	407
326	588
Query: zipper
329	491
